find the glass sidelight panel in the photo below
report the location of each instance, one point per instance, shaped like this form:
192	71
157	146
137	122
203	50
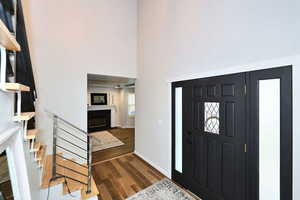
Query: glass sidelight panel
269	139
178	129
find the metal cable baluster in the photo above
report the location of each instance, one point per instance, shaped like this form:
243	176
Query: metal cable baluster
62	142
89	162
54	146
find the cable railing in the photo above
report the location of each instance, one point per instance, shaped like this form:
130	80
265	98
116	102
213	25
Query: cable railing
71	144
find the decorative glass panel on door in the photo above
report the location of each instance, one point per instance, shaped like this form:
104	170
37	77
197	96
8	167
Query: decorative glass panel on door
178	129
269	139
211	117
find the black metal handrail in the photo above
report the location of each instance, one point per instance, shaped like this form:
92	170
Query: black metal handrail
69	123
70	148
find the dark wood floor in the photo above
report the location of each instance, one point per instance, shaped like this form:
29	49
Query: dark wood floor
6	190
5	186
120	178
126	135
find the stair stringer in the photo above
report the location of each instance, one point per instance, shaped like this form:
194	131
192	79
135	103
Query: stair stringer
34	173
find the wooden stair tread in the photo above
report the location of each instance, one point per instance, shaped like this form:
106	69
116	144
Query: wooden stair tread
73	185
36	147
94	191
41	153
31	134
43	160
47	173
24	116
16	87
74	166
7	40
69	173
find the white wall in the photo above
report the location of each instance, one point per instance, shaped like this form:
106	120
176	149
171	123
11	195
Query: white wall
6	111
69	39
180	40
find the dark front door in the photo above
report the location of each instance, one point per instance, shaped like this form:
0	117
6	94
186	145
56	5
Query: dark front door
213	139
232	135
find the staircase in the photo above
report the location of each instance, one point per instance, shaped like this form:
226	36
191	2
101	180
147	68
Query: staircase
59	169
70	164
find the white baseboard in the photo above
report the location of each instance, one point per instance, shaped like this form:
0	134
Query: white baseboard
161	170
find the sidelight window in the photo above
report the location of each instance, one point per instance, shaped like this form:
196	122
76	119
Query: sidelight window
269	139
178	129
131	104
211	117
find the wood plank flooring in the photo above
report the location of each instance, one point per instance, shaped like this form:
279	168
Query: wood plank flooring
120	178
5	184
126	135
6	190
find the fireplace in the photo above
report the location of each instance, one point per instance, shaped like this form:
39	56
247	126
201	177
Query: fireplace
99	120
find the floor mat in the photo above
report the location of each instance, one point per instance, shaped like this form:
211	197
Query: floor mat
162	190
103	140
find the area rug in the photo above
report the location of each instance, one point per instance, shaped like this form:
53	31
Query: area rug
103	140
4	173
162	190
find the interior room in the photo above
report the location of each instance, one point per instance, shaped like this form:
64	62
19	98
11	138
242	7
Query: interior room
149	99
111	116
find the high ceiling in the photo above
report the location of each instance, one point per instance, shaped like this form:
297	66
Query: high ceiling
110	81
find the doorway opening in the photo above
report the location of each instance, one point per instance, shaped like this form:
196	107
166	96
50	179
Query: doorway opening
111	115
232	135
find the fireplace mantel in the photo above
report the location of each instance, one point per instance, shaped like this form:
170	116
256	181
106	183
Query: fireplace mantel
101	107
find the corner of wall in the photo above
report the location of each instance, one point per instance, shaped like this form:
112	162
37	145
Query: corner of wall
153	164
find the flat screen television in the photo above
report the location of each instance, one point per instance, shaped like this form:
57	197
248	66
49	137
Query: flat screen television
98	99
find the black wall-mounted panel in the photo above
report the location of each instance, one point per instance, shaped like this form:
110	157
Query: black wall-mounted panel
198	118
230	119
211	91
228	175
198	91
213	180
200	171
228	90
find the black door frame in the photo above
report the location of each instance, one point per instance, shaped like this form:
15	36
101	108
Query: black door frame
286	112
286	130
176	175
